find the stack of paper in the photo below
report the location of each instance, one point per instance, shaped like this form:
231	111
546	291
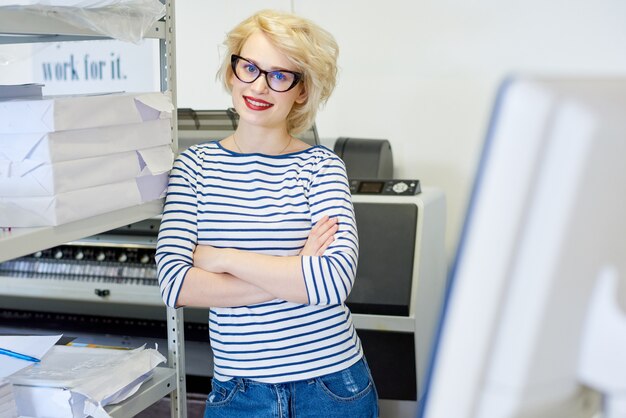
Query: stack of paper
80	381
15	351
70	157
11	91
7	400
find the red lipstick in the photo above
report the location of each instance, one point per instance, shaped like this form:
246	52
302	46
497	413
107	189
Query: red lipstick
256	104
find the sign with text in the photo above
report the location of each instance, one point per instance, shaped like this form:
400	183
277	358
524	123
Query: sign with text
97	67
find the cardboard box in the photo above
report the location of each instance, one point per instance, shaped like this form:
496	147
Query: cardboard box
79	204
83	143
30	178
61	113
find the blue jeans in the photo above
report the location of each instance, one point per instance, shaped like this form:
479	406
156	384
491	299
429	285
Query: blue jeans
344	394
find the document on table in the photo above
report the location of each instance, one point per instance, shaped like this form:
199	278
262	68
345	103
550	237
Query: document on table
33	346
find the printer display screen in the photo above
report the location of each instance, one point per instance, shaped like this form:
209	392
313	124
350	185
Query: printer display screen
371	187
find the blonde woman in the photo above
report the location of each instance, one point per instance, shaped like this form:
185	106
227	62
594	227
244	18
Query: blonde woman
259	227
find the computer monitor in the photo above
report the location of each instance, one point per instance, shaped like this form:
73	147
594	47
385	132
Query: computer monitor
534	322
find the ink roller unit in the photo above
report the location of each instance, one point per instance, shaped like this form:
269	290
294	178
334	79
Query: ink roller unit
365	158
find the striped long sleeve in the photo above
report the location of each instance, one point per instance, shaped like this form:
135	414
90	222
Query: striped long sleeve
178	234
330	277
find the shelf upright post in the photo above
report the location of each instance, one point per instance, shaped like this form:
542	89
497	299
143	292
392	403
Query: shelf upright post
168	72
175	323
176	359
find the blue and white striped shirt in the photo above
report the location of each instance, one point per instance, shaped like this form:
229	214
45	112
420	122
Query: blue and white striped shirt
266	204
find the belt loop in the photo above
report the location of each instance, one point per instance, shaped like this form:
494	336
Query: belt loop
241	383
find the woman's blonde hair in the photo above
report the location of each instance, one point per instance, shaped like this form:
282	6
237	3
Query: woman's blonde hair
310	48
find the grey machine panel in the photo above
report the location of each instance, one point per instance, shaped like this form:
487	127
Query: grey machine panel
386	251
366	158
399	286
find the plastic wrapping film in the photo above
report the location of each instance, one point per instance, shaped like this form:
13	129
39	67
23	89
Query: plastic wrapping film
126	20
80	381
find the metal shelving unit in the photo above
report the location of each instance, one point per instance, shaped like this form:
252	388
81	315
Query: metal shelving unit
18	242
23	26
19	26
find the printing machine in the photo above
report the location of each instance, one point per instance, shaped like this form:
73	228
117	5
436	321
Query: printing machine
103	289
399	287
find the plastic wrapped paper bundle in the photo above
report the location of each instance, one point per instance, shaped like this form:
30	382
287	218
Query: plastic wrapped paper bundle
81	381
8	409
67	158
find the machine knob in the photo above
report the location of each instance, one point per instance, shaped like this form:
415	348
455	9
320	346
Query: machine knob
400	187
58	254
101	256
144	259
122	258
79	255
38	254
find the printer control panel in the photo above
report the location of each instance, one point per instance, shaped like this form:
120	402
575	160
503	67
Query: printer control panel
385	187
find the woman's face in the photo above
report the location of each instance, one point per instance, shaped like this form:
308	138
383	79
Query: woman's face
255	102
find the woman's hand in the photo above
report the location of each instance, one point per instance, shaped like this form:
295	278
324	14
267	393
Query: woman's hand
320	237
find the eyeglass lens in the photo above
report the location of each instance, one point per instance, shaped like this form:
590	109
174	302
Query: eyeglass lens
248	72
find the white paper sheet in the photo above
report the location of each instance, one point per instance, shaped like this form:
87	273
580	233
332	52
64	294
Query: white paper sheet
34	346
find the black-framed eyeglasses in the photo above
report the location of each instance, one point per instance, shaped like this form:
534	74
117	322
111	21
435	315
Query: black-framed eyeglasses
280	80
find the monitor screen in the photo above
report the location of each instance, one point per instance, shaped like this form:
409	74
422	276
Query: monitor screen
543	248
